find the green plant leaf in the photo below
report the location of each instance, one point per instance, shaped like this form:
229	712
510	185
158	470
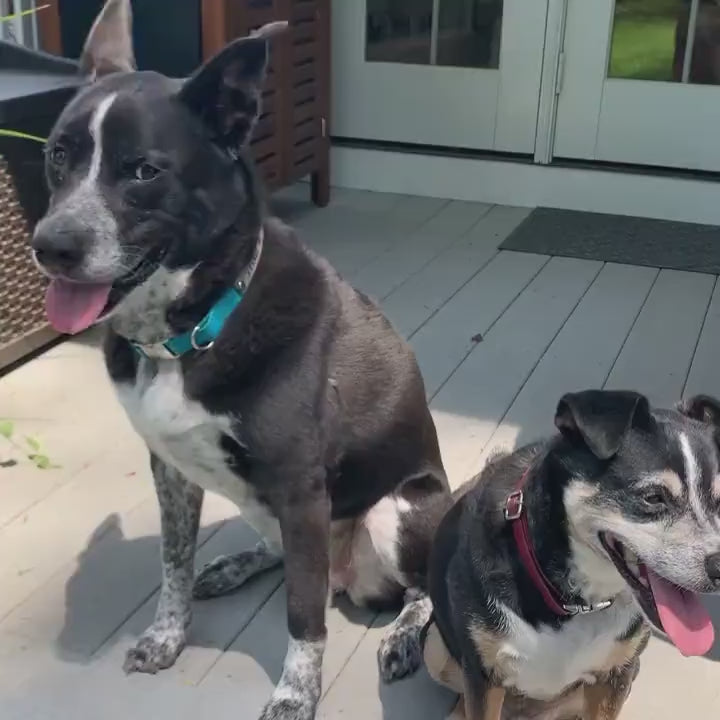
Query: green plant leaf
33	443
42	462
23	13
7	427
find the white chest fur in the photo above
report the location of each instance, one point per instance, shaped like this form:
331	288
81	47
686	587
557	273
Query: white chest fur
542	662
187	437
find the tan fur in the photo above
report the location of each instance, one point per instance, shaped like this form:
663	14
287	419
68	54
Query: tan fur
604	700
488	645
601	701
669	479
441	666
487	707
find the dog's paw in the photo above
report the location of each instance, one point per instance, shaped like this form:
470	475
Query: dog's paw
156	650
400	653
288	708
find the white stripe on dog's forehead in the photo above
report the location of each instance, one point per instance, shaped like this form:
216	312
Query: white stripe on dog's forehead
693	480
96	122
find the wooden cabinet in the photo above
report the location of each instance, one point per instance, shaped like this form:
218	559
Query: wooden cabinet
291	139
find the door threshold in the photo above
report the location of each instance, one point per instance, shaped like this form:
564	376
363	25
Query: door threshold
514	180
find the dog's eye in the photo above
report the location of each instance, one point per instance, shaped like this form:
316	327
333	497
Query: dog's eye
58	155
656	499
144	171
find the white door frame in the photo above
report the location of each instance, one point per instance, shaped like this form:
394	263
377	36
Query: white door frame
552	79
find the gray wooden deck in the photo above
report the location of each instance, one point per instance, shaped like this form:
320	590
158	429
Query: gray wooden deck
79	545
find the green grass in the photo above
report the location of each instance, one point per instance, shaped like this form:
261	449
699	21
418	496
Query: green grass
643	43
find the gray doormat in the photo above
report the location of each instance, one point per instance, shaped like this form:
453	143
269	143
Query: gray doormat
619	239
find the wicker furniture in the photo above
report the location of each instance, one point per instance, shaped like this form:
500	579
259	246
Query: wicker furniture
33	89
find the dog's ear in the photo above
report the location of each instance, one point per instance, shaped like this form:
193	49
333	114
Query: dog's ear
703	408
109	46
225	92
599	419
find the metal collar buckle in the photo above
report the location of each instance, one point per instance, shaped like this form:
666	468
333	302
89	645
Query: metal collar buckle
194	342
514	505
587	609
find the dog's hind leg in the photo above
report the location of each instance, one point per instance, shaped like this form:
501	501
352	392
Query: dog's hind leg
227	573
180	506
400	652
604	700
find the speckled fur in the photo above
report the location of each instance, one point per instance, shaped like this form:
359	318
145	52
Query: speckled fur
180	506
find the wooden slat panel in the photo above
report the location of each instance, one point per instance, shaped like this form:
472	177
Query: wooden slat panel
305	110
266	125
305	51
303	72
304	92
304	167
269	102
306	129
305	32
267	146
294	91
304	11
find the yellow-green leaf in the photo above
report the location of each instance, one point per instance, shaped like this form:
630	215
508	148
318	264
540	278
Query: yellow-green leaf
7	427
33	443
42	462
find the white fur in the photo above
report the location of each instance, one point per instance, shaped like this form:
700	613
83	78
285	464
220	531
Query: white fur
692	480
542	663
365	552
88	207
185	436
298	691
142	314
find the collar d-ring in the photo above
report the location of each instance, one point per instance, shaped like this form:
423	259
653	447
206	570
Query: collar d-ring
194	342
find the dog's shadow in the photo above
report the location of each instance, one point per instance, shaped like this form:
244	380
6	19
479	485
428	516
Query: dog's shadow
111	596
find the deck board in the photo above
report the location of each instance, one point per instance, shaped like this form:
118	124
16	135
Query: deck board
704	375
477	396
81	581
426	292
657	355
580	357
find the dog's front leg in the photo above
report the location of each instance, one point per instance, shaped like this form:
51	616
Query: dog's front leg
484	699
305	526
180	506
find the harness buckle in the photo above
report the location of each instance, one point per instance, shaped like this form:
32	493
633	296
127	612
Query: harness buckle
514	505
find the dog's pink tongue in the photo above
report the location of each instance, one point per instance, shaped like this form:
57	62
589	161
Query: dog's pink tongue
683	616
73	307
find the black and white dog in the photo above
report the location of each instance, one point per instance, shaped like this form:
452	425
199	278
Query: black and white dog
246	363
548	572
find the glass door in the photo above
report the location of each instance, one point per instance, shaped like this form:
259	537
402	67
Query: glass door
451	73
640	83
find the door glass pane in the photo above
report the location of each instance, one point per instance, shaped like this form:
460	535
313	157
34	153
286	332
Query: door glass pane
398	31
459	33
469	33
650	41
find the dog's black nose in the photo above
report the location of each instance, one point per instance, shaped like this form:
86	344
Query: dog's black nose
60	243
712	567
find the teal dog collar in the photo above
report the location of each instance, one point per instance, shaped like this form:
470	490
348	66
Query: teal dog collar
204	334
